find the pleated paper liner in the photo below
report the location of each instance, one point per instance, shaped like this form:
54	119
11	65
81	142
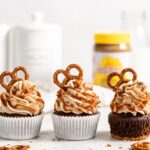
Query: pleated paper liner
20	128
75	127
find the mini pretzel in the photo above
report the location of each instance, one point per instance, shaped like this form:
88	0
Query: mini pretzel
110	77
20	68
141	146
55	78
77	67
13	76
67	75
124	71
121	77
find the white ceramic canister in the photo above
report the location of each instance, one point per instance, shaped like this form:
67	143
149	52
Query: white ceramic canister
4	29
37	46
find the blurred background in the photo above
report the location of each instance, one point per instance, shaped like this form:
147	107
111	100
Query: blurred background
71	37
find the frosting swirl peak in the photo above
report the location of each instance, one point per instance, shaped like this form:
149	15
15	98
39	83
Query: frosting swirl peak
23	99
77	97
131	96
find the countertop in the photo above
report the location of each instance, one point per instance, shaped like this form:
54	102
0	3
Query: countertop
48	141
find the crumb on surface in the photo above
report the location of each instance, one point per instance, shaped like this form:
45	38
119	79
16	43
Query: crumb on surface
56	139
120	147
108	145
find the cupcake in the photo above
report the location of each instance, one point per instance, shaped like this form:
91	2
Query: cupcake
130	116
75	115
21	109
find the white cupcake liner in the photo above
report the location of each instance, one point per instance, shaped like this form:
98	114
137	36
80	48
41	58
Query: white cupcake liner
20	128
75	128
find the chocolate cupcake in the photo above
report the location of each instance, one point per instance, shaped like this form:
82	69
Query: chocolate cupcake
21	110
75	115
130	116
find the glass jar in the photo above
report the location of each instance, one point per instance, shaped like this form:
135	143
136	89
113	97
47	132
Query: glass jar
112	53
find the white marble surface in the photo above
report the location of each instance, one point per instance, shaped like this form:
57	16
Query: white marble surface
48	141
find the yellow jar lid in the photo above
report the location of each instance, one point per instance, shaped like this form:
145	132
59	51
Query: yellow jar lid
112	38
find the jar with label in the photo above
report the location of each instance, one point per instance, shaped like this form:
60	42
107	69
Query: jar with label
112	53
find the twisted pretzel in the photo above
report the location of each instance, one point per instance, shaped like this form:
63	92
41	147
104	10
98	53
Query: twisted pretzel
121	77
20	68
13	76
66	73
141	146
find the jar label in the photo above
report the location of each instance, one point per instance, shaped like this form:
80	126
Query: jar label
105	63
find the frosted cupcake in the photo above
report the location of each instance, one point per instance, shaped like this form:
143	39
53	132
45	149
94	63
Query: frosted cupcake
21	110
75	115
130	116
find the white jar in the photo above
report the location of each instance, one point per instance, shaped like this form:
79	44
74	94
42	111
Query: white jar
4	29
37	46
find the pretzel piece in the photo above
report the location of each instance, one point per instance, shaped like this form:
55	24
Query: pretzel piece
126	70
20	68
78	68
13	76
121	77
67	75
141	146
56	80
2	80
110	77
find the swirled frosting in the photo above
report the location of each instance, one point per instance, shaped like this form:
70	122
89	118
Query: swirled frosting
23	99
131	97
77	97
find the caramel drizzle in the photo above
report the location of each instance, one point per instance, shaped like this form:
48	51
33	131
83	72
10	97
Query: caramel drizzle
77	91
6	98
91	100
136	96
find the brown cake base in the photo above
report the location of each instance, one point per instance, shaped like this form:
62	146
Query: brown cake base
129	128
72	114
14	115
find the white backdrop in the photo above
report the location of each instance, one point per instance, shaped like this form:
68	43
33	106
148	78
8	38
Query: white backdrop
79	18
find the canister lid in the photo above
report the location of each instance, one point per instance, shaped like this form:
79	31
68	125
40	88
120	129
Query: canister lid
38	23
112	38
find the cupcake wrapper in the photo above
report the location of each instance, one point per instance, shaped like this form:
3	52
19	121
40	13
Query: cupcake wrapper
20	128
75	128
129	127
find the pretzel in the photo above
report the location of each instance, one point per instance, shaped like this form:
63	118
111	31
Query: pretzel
55	78
141	146
15	147
13	76
110	77
121	77
67	75
20	68
77	67
124	71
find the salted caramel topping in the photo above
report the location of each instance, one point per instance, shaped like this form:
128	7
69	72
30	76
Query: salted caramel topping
22	98
76	96
141	146
131	97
